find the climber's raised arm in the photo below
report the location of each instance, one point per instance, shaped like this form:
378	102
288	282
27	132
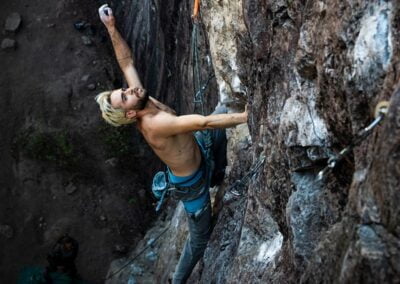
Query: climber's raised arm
121	48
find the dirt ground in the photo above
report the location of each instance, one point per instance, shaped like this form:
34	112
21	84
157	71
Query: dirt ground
47	87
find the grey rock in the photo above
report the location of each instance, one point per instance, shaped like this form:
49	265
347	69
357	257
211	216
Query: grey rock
111	162
103	218
6	231
120	249
85	78
86	40
71	188
8	43
151	256
13	22
80	25
91	87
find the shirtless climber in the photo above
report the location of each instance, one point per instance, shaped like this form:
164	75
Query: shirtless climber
171	137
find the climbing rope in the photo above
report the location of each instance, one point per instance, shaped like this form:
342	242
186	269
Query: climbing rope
198	86
151	243
380	113
237	188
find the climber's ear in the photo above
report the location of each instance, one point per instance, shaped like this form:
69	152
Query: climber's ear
131	114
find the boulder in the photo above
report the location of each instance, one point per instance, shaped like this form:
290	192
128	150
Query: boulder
13	22
8	43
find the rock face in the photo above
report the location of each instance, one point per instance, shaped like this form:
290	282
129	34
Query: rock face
312	73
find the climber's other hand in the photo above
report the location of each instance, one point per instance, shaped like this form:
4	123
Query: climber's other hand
106	16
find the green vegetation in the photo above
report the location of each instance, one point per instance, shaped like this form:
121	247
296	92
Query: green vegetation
118	142
56	147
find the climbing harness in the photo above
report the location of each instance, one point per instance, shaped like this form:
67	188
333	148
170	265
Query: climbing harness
237	188
380	113
151	243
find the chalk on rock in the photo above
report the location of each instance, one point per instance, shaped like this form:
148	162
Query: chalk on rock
13	22
8	43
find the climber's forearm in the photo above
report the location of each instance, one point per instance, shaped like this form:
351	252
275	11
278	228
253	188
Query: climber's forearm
121	48
224	120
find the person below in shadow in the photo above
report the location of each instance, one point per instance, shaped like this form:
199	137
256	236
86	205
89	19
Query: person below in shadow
62	258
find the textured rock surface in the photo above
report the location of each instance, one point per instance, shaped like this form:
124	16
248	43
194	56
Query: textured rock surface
13	22
313	72
8	43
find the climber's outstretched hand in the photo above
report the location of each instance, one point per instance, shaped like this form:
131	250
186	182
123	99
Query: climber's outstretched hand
106	16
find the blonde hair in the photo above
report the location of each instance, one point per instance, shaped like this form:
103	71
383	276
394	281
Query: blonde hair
114	116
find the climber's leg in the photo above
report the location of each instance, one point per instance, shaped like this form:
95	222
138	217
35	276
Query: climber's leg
196	243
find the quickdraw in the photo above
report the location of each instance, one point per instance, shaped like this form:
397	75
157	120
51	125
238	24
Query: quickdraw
238	186
380	113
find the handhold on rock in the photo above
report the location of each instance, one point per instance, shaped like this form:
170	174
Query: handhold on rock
13	22
8	43
381	108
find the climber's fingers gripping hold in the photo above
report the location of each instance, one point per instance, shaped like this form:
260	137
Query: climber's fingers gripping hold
106	16
246	110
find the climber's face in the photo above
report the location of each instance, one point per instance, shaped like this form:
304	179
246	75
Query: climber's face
68	246
129	99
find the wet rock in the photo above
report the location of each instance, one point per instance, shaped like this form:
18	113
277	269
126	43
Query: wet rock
8	43
13	22
6	231
86	40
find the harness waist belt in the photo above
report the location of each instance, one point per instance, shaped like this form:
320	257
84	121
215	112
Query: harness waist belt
186	193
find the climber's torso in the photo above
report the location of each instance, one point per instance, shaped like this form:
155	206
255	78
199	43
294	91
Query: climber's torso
179	152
